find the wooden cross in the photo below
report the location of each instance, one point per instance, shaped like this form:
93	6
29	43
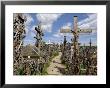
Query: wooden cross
75	33
39	36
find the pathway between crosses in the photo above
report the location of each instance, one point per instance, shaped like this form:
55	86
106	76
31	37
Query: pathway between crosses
56	66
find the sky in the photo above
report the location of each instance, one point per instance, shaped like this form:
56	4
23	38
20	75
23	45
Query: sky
52	23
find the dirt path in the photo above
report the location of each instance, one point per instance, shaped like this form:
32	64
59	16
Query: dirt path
55	66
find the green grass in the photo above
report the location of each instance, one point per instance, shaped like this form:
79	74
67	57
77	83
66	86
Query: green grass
82	72
20	71
44	72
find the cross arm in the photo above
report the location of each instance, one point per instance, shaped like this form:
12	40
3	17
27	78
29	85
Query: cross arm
84	30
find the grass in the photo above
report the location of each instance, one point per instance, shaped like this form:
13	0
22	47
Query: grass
82	69
21	71
44	72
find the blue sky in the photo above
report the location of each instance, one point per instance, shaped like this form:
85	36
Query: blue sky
52	23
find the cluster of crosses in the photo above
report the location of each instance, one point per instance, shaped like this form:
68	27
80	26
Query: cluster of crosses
29	65
38	45
75	58
22	65
18	36
44	51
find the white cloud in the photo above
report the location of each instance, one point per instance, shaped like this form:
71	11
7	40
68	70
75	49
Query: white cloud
28	22
46	27
58	34
89	23
47	20
66	26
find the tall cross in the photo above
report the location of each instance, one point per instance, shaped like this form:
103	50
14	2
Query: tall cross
75	33
38	36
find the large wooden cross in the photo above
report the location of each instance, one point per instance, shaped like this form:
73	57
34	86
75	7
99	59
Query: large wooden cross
75	33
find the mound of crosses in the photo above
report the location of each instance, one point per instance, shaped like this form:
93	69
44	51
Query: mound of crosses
19	34
75	32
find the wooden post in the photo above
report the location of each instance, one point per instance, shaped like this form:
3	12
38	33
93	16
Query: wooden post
76	48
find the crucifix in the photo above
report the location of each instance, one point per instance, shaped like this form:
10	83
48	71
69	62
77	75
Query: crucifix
75	33
38	37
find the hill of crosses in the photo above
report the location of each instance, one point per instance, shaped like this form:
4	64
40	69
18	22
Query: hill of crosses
54	44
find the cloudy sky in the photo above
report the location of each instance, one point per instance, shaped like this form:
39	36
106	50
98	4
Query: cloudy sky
52	23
